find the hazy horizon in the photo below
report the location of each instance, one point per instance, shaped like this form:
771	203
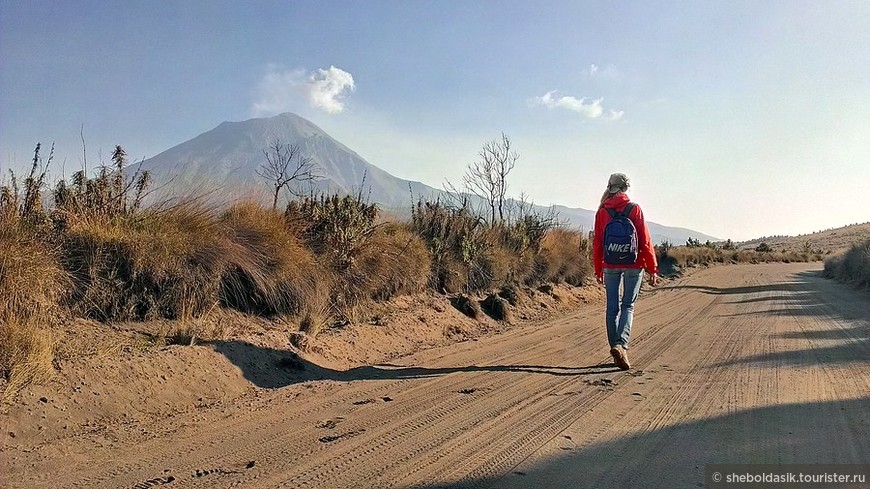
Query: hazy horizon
737	119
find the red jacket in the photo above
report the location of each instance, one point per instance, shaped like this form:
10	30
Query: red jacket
646	256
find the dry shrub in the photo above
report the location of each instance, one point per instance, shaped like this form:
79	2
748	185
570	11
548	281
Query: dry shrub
21	202
339	230
703	255
687	256
492	266
393	261
455	237
498	308
746	256
511	294
562	258
158	263
109	194
466	305
695	256
792	257
851	267
26	353
449	275
31	285
523	236
471	255
270	271
31	281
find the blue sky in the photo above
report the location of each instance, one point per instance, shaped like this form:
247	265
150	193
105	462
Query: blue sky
737	119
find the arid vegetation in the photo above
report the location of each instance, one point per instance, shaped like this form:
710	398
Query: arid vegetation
96	252
673	259
851	267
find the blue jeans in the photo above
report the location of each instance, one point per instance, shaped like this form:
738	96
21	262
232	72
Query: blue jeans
619	315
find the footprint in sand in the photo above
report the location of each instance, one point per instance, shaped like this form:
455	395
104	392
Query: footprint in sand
607	384
159	481
199	473
330	424
333	438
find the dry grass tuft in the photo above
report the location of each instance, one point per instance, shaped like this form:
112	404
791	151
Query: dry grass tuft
26	354
851	267
188	330
467	305
471	255
494	265
511	294
339	230
562	258
31	280
160	263
31	285
673	258
393	261
269	270
498	308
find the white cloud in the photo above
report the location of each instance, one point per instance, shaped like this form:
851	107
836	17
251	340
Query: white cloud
609	72
329	88
615	115
592	109
284	90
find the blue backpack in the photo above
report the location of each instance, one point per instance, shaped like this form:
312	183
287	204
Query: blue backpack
620	238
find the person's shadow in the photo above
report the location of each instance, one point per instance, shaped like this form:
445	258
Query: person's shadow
270	368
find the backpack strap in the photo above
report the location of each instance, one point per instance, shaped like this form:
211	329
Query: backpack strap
610	211
625	212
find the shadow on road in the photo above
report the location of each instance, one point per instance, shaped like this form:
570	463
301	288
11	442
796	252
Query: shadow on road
271	368
801	283
675	456
752	289
805	295
842	336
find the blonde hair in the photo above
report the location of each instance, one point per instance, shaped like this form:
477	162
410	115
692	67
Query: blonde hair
608	195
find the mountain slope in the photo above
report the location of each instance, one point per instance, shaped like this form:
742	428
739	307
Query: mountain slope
585	219
227	157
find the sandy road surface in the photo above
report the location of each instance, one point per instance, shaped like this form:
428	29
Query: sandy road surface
737	364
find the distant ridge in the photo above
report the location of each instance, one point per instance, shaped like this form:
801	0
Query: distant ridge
828	240
228	156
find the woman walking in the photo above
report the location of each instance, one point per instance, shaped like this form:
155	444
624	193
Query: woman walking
622	250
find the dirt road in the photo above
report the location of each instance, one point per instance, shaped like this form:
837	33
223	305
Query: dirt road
733	364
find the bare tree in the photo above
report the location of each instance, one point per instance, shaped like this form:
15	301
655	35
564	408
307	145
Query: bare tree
487	177
285	165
